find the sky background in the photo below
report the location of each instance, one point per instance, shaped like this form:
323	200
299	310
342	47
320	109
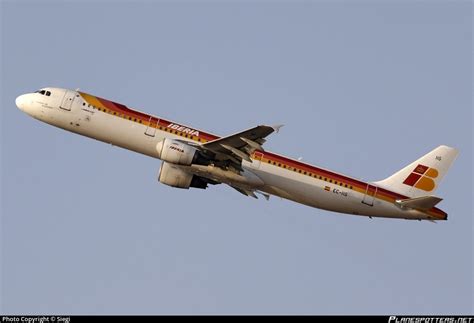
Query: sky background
363	88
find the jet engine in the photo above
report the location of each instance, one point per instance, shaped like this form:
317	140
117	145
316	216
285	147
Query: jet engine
174	176
176	152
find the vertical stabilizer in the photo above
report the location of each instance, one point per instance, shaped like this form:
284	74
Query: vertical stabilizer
422	177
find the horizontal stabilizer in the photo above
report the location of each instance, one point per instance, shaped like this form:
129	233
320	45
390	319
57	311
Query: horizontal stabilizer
423	203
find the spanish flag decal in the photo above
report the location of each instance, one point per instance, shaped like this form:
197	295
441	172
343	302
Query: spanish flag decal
327	188
422	178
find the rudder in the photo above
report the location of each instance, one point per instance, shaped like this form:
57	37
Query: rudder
423	176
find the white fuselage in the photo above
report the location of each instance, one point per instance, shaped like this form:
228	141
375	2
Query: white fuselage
70	110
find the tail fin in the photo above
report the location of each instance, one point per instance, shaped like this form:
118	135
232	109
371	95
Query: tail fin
421	177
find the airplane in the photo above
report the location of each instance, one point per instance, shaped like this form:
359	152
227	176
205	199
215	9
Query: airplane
192	158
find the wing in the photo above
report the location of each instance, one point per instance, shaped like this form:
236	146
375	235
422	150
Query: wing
239	146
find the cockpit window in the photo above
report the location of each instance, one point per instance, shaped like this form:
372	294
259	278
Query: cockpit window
43	92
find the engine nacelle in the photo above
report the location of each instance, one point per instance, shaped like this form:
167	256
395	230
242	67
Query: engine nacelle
174	176
176	152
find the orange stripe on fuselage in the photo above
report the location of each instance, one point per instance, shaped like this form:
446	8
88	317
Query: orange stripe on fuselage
92	100
143	118
359	186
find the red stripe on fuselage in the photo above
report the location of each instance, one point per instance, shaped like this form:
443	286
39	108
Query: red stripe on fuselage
340	178
122	109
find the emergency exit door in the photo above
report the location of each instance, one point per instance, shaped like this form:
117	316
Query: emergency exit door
67	101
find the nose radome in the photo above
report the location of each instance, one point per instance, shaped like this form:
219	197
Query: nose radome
21	101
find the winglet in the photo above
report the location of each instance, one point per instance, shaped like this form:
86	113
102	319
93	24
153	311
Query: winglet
277	127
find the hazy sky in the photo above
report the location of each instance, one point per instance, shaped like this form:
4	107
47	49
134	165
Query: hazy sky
363	88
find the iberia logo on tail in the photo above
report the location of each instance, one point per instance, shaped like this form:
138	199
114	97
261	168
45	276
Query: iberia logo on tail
422	178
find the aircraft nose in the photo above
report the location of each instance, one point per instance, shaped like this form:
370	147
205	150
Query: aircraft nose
21	101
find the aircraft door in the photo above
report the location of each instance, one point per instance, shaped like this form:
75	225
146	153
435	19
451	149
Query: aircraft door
370	194
151	127
67	101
